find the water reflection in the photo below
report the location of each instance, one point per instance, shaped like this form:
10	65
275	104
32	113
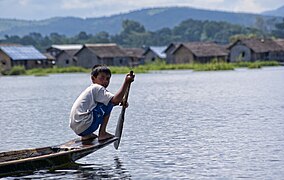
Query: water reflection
101	171
80	171
119	169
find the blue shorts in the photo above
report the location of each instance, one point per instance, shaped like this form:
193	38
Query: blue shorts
99	113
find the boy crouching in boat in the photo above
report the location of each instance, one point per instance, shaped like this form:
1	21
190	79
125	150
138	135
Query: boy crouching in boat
93	106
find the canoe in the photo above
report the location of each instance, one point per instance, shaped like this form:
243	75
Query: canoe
48	157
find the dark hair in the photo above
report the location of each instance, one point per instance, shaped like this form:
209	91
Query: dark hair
100	69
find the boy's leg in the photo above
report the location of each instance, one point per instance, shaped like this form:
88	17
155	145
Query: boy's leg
102	132
98	119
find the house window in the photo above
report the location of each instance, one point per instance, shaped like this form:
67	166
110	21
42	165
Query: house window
266	56
241	56
3	63
120	61
67	61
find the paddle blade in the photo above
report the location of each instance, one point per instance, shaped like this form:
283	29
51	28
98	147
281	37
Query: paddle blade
119	126
118	131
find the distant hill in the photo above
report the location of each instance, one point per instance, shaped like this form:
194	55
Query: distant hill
276	12
152	18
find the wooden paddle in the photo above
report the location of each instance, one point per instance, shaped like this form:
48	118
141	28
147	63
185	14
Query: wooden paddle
119	126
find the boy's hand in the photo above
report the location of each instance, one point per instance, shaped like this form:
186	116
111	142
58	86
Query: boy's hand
130	77
122	104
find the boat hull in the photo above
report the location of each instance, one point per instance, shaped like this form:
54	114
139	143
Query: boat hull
48	157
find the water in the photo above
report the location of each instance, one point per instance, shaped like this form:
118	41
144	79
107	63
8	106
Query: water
179	124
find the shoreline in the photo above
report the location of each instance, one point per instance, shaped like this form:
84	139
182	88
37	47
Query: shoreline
156	66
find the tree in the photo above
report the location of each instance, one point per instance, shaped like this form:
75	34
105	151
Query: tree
58	39
133	34
101	37
130	26
261	24
83	36
279	29
11	39
189	30
162	37
241	36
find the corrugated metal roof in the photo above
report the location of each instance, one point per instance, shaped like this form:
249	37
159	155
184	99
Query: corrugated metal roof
67	46
22	52
158	50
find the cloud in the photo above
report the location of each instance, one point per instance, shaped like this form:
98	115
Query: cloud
24	2
77	4
248	6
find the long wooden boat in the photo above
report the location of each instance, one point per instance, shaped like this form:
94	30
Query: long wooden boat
48	157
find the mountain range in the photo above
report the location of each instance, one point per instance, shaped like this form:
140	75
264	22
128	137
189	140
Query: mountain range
152	18
277	12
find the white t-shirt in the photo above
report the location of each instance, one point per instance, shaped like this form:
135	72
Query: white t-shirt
81	116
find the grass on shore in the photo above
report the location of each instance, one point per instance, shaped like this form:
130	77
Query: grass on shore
156	66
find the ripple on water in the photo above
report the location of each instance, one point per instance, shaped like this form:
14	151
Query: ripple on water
185	125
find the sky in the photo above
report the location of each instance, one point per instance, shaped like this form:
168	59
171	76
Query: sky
43	9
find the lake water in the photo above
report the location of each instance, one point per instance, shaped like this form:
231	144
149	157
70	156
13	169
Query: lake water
179	124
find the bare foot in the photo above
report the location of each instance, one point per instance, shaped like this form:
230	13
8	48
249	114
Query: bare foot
90	136
104	136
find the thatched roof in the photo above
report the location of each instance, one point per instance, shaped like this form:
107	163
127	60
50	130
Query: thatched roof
49	56
106	50
259	45
69	52
204	49
174	45
280	42
134	52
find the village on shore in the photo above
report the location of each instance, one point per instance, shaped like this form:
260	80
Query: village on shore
86	55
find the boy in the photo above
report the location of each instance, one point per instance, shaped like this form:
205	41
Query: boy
93	107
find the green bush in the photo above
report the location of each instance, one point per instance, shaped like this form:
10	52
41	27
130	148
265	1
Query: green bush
17	70
71	69
256	64
241	64
269	63
213	66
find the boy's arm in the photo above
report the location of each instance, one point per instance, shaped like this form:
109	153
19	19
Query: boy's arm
117	98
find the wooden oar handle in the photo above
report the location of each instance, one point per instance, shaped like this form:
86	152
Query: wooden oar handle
127	91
